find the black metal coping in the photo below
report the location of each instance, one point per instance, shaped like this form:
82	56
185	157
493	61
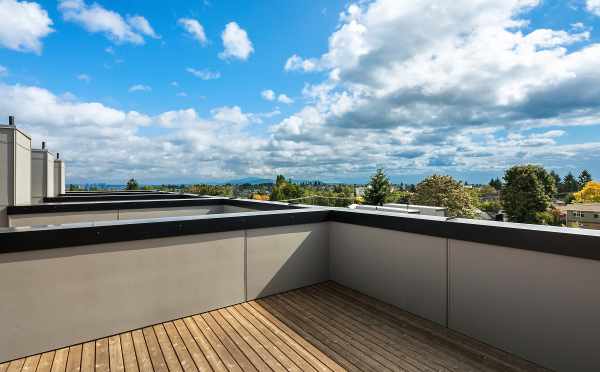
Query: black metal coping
20	239
136	196
143	204
562	241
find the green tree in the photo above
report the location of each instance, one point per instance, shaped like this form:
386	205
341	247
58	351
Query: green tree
557	180
496	183
132	185
584	178
378	189
445	191
285	189
570	184
527	193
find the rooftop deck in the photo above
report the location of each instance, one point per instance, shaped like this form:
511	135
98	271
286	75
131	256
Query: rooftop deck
318	328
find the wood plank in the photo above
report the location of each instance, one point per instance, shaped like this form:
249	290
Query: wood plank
248	351
309	352
102	356
344	326
216	344
167	349
325	341
263	349
115	354
45	364
187	363
141	351
280	350
60	360
237	354
356	344
478	351
4	366
88	357
74	358
396	335
129	357
211	355
192	347
31	363
16	365
156	355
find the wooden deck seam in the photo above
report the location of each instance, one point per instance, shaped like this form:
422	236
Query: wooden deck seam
251	335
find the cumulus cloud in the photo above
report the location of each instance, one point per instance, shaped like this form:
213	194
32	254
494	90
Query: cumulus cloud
398	77
285	99
593	6
139	88
24	25
194	28
231	114
236	43
95	18
203	74
268	95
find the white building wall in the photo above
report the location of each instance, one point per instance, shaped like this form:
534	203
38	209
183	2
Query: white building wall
42	175
59	177
15	163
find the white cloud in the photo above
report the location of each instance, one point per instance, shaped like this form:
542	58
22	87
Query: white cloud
94	18
285	99
204	74
3	71
231	114
110	50
194	28
84	77
142	25
139	88
24	25
268	94
593	6
295	63
236	43
174	84
181	94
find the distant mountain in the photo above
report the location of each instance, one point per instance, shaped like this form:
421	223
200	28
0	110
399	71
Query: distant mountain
250	180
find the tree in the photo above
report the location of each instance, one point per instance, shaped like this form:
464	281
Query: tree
445	191
570	183
584	178
378	189
557	180
285	189
496	183
527	193
590	193
132	184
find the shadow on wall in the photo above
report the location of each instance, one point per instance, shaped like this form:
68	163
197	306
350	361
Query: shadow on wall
280	259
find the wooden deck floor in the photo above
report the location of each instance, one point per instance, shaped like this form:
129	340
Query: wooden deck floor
325	327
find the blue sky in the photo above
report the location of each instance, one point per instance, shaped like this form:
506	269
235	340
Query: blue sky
325	90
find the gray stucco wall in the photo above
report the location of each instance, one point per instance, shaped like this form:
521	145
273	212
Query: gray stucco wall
540	306
284	258
403	269
59	297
